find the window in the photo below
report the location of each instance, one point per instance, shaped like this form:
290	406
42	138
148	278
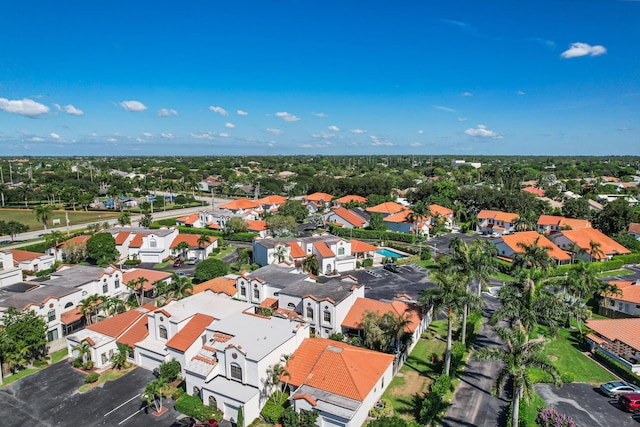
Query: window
163	332
69	304
243	291
51	316
310	312
213	402
196	391
105	288
103	357
153	243
327	316
256	293
340	251
117	284
291	306
1	265
236	372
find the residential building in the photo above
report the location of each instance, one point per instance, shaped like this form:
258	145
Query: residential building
340	381
267	283
624	303
510	245
550	223
534	190
458	163
220	285
210	183
271	203
197	249
634	230
61	252
386	209
440	213
240	206
405	222
317	202
31	262
340	202
588	244
496	222
143	244
9	273
346	218
149	279
617	338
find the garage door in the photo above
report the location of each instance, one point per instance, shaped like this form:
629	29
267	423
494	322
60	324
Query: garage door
230	412
329	422
149	362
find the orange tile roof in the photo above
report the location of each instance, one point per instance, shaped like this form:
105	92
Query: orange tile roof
272	200
398	308
136	242
189	219
221	337
323	250
217	285
190	332
624	330
351	199
116	325
296	250
402	216
634	227
350	217
269	303
498	215
138	332
20	255
235	205
319	197
439	210
71	316
629	291
386	208
77	239
358	247
560	221
190	239
121	237
152	276
533	237
534	190
584	236
256	225
213	226
337	367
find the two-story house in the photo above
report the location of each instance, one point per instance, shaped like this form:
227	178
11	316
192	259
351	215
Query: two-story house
143	244
624	303
197	248
385	209
496	222
317	202
31	262
347	218
548	224
509	245
588	244
267	282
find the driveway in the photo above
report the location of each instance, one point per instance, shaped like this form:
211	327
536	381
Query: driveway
586	405
440	244
50	398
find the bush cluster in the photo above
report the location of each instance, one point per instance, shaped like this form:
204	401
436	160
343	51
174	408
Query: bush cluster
385	411
91	377
433	404
272	410
192	406
549	417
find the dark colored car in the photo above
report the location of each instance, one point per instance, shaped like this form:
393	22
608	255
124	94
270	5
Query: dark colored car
391	267
178	262
630	402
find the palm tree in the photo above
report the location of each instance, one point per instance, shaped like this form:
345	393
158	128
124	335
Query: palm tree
180	287
595	250
451	295
87	307
311	264
84	350
43	214
582	280
575	250
53	240
280	252
119	358
114	305
518	355
203	241
533	255
137	286
182	248
153	393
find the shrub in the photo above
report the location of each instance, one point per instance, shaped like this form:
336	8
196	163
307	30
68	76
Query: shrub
384	411
457	354
77	362
568	377
549	417
367	262
192	406
358	264
88	365
169	370
91	378
336	336
39	363
432	405
272	411
132	262
177	393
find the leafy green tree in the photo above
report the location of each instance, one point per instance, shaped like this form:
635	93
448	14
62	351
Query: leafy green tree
23	337
615	217
124	218
43	214
281	224
576	208
518	355
169	370
209	269
311	264
376	222
236	225
12	228
294	208
383	332
101	249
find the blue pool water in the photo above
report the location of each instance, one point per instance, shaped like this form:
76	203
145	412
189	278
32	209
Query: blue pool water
390	253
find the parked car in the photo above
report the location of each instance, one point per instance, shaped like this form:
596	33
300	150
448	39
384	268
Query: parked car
192	261
614	388
630	402
391	267
178	262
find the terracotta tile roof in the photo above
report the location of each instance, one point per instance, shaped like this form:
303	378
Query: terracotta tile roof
534	190
235	205
560	221
209	360
624	330
138	332
269	303
272	200
256	225
386	208
296	250
217	285
136	242
118	324
402	216
439	210
78	239
323	250
350	217
189	219
318	197
358	247
337	367
498	215
351	199
629	291
190	239
596	339
213	226
122	237
584	236
220	337
20	255
533	237
398	308
71	316
152	276
190	332
634	227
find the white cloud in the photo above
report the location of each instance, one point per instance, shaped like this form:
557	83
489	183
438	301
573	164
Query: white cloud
147	134
203	135
482	132
320	114
420	132
229	125
224	135
334	128
357	131
521	93
167	135
287	117
70	109
583	49
242	113
133	106
322	135
443	108
25	107
36	139
462	119
56	136
275	131
415	144
377	142
111	140
467	94
166	112
218	110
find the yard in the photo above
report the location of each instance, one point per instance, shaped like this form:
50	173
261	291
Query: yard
54	358
28	217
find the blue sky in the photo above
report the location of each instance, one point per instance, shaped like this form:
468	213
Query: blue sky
320	77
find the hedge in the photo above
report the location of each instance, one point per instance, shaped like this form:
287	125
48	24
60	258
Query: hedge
617	367
192	406
91	378
272	411
359	233
628	259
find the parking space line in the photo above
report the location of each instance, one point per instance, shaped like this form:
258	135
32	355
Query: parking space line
118	407
130	416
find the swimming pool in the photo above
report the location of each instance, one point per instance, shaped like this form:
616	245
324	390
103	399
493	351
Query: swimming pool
390	253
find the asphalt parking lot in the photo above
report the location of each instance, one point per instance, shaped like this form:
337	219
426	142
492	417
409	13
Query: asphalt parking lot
440	244
586	405
50	398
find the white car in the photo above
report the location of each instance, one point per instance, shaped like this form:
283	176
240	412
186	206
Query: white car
192	261
615	388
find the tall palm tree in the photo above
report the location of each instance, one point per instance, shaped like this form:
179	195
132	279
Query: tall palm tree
114	305
84	350
152	394
182	248
595	250
575	250
533	255
43	214
180	287
582	280
53	240
137	286
119	358
203	241
88	305
311	264
280	252
518	355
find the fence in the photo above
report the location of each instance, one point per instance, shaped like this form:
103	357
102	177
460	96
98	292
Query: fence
55	345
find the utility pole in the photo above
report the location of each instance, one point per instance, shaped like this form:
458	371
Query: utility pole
10	173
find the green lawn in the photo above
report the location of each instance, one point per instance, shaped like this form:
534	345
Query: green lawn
502	276
613	273
27	217
529	411
55	358
110	375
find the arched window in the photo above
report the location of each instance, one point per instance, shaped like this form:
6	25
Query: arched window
291	306
243	291
163	332
153	243
236	372
196	391
213	402
310	312
69	304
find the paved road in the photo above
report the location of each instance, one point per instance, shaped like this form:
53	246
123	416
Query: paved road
473	404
